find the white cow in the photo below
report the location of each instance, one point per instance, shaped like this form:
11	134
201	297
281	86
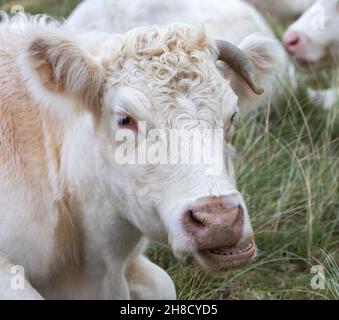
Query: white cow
231	20
282	10
73	216
313	39
313	42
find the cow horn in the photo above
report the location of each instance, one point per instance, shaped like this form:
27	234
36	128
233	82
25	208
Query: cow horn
240	63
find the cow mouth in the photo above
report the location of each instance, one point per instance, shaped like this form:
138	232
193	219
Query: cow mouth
228	258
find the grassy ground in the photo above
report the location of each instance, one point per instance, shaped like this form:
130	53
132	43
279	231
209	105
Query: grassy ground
289	172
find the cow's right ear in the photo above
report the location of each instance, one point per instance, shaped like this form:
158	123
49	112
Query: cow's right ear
65	69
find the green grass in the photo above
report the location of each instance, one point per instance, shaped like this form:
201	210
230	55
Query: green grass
289	172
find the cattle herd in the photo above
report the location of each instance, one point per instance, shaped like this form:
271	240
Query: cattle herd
76	218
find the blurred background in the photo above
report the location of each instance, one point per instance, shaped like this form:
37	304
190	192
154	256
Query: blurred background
58	8
289	172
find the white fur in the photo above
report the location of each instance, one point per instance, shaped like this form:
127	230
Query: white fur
231	20
320	25
318	28
283	10
69	175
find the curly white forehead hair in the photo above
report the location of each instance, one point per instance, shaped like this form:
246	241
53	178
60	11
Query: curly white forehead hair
178	60
175	67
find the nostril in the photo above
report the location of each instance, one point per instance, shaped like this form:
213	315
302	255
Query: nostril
292	41
194	221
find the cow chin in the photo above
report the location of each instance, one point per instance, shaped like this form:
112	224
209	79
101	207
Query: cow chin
219	259
226	259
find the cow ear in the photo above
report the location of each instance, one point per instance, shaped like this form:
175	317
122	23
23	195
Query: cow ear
65	69
267	58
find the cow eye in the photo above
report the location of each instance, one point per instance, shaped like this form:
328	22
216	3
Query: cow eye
127	122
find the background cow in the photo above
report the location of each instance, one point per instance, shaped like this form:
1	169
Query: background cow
240	18
282	10
71	215
313	39
313	42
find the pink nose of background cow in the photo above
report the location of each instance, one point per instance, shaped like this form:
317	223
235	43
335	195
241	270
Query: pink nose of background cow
294	42
215	222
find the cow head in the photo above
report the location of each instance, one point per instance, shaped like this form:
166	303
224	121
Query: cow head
152	83
313	39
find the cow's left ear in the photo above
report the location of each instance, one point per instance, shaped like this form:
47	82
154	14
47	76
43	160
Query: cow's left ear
267	59
64	68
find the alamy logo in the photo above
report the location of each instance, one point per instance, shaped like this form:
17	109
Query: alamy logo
18	281
172	147
318	281
17	9
318	21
